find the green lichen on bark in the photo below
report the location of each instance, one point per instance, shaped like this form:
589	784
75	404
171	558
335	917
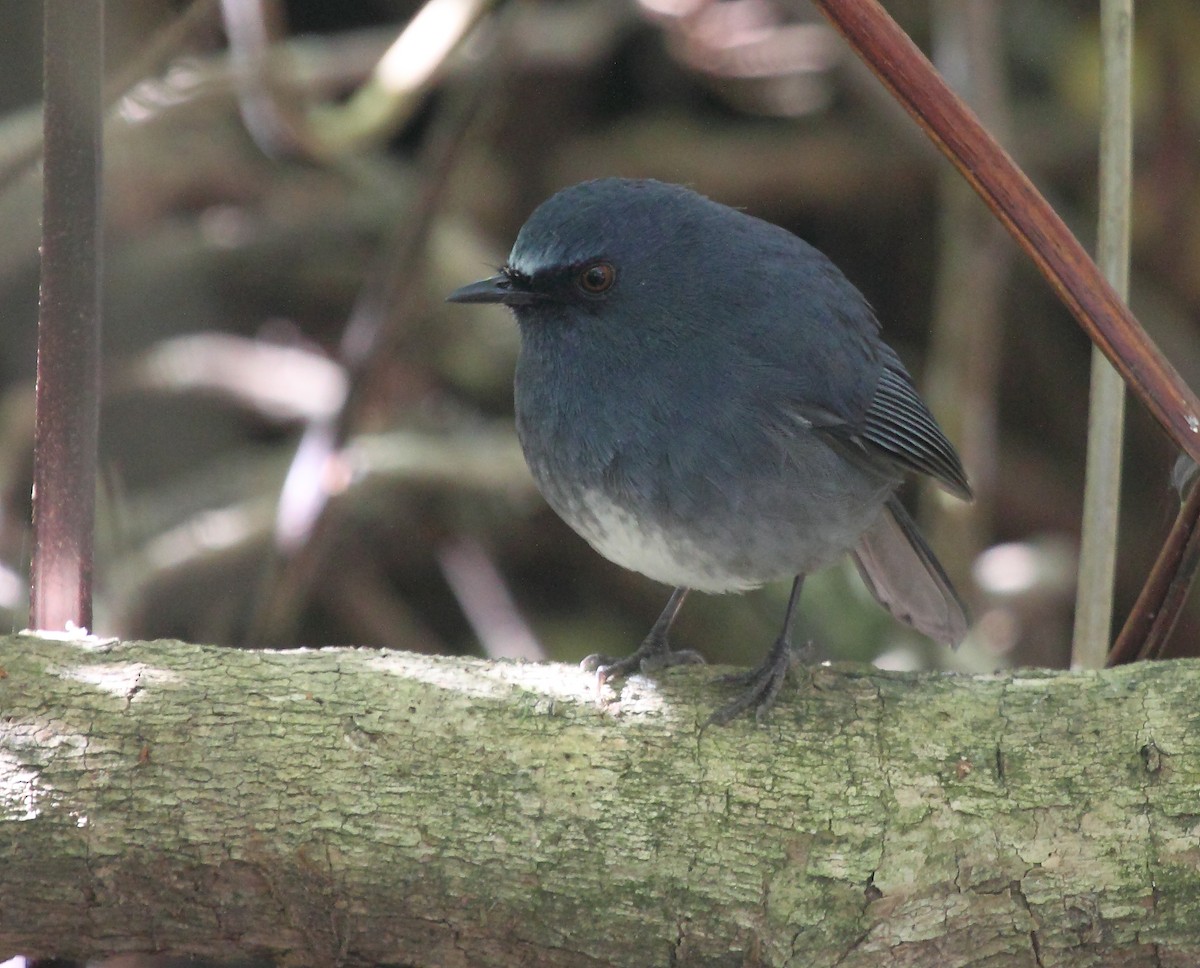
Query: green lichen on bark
356	806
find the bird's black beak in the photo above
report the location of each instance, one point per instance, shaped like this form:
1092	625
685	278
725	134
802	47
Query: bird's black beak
501	288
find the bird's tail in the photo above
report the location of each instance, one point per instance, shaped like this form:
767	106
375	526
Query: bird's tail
902	573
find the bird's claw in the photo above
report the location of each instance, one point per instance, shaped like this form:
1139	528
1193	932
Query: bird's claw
643	660
761	685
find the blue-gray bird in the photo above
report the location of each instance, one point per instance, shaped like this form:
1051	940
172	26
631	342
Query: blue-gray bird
707	400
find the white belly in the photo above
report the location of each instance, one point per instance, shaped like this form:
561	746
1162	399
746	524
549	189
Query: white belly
640	546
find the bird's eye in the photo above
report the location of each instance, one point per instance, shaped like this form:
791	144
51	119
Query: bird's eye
597	278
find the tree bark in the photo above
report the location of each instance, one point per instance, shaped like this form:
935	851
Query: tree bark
353	806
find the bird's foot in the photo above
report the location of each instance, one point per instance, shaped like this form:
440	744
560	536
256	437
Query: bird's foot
761	685
653	655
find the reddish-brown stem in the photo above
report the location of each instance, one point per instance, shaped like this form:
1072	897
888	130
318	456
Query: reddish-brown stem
953	127
1157	608
66	427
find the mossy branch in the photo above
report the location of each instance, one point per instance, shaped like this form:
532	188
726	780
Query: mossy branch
354	806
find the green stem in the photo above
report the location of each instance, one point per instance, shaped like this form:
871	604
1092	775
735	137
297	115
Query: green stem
1098	549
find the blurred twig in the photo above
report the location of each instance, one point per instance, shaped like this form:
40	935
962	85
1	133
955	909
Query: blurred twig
273	121
1106	412
193	534
155	53
398	85
379	108
952	126
277	383
303	531
67	422
484	599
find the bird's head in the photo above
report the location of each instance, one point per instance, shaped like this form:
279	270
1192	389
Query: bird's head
620	249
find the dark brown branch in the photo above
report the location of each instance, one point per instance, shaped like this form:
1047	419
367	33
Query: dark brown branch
1157	608
65	436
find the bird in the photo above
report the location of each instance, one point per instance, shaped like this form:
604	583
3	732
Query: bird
706	399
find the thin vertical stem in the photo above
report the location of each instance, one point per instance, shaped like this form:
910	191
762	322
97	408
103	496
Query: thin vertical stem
66	431
1106	413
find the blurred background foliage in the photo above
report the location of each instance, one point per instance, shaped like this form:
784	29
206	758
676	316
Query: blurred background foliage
274	323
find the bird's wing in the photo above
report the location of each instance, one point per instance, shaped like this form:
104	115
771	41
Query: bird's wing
892	423
843	381
900	425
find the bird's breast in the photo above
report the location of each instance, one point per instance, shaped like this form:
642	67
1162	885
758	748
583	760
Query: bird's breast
687	491
601	453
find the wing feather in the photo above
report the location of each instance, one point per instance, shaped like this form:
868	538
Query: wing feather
898	423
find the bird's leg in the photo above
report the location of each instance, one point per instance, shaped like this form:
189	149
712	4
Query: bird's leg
762	685
653	654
